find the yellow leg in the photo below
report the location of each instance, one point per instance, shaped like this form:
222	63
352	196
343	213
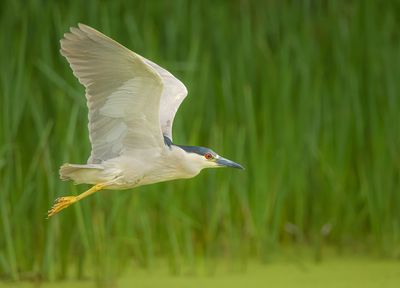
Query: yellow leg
63	202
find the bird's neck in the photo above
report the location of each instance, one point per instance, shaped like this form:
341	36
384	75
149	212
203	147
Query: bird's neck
187	160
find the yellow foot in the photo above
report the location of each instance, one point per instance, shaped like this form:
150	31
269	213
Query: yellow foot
60	204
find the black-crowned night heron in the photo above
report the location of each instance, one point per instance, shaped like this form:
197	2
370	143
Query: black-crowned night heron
132	103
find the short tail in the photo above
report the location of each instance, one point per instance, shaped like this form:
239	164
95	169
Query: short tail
81	173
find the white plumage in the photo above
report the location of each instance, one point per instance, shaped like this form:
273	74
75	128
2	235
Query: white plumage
123	92
132	103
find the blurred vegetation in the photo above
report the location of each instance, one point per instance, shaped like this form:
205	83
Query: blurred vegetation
304	94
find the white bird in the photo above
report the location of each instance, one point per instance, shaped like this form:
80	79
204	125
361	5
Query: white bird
132	104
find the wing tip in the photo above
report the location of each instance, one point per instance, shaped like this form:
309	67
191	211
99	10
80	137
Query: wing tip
84	27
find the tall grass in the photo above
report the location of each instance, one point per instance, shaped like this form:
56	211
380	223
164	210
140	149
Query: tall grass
305	94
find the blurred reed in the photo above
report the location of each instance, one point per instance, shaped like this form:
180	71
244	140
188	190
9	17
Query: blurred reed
305	94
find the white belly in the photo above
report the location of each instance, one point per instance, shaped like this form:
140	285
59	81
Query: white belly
137	170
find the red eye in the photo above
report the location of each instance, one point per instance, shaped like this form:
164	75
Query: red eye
208	156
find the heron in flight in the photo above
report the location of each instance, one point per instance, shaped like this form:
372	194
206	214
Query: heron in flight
132	104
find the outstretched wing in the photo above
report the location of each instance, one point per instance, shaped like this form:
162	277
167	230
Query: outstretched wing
122	91
173	94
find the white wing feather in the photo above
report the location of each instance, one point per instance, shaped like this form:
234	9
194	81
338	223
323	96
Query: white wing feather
173	94
122	91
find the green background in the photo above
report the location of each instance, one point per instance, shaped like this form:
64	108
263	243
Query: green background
304	94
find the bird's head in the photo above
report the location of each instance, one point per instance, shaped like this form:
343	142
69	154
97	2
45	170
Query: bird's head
202	157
